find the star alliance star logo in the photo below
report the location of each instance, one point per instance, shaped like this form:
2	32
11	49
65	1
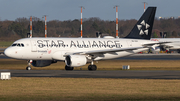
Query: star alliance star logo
143	24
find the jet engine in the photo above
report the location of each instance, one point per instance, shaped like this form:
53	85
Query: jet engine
75	60
42	63
163	48
156	49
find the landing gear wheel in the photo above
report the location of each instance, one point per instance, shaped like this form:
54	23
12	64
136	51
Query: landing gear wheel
69	68
29	65
89	67
28	68
92	67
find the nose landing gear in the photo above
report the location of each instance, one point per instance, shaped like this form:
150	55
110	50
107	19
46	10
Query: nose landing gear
28	68
29	65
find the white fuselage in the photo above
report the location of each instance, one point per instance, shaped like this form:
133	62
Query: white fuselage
56	48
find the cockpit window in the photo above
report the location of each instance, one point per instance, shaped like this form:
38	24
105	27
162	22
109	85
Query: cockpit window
22	45
14	44
18	44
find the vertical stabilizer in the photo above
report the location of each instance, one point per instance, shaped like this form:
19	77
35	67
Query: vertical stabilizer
143	28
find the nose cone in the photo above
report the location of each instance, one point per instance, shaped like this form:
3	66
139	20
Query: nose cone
8	52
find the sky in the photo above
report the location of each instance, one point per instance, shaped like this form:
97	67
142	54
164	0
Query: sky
70	9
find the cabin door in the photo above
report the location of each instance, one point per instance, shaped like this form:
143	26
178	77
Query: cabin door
33	46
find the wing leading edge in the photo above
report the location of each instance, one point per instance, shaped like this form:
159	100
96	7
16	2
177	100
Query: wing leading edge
103	51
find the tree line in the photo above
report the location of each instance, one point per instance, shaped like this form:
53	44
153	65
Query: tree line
13	30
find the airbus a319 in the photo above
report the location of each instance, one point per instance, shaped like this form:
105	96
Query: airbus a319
80	51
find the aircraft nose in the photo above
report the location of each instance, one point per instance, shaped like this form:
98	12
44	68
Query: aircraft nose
8	52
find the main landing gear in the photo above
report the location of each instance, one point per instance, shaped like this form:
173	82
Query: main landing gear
92	67
29	65
68	68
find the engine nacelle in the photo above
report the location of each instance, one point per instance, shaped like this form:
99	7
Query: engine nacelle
163	48
156	49
75	60
42	63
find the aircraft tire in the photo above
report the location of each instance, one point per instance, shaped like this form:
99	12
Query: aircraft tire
28	68
92	67
68	68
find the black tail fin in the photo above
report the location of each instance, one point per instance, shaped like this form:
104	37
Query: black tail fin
143	28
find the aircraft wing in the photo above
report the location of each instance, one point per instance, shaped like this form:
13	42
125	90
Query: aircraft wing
148	45
104	51
158	43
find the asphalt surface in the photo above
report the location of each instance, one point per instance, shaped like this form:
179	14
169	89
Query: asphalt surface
122	74
2	49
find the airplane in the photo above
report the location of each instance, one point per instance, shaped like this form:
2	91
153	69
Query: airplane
76	52
171	45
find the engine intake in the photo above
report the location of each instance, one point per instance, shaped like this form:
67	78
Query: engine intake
75	60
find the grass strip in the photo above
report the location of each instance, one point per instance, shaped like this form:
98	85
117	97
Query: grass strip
5	43
96	89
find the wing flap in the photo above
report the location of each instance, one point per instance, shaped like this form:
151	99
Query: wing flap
154	43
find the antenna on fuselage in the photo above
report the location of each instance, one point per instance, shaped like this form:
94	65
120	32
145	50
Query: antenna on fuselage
116	21
81	19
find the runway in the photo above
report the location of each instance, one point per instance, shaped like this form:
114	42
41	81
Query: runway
121	74
2	49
